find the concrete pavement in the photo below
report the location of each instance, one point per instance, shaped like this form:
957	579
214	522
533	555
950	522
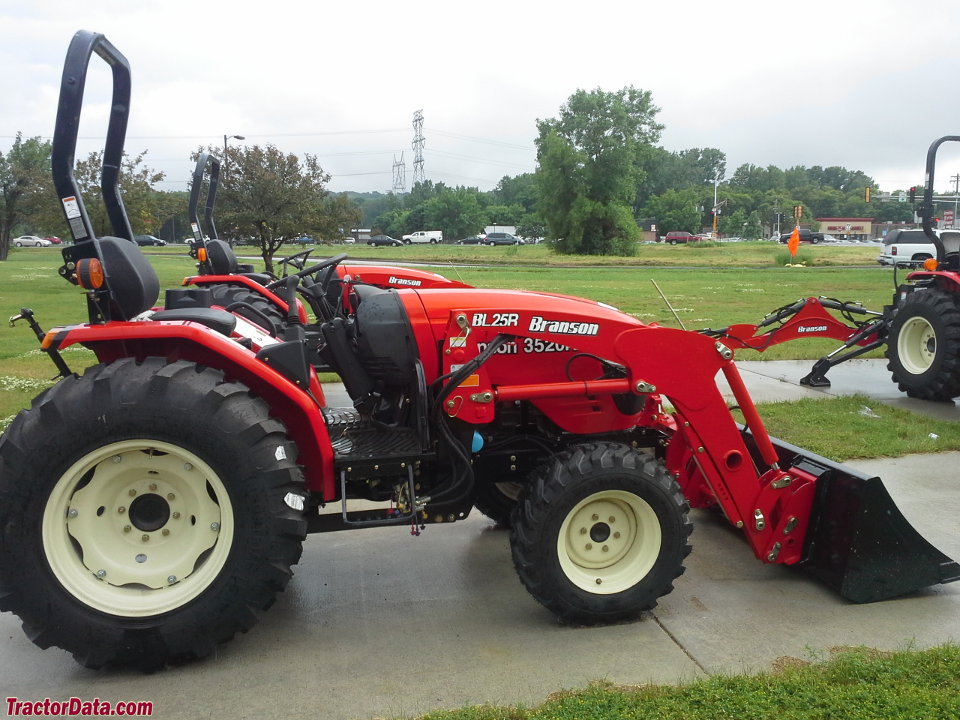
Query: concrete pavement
381	624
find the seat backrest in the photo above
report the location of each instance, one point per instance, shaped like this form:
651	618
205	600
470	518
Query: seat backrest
132	281
222	259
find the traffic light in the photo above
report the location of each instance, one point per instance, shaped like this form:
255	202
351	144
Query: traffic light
866	194
913	194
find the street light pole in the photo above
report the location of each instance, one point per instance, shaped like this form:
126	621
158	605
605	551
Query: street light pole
225	138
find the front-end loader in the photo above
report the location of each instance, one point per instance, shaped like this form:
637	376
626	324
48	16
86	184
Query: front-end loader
153	505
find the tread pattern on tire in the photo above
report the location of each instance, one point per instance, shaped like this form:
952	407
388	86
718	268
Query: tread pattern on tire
554	485
119	401
942	310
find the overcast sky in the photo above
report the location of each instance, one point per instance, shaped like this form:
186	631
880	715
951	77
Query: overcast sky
867	86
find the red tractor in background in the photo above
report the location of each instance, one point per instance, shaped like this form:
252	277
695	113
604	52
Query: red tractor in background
151	506
253	295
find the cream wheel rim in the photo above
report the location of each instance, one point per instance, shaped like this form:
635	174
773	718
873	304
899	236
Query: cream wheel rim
917	345
609	542
138	528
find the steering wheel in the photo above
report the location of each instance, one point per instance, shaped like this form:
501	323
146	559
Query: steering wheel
298	260
316	293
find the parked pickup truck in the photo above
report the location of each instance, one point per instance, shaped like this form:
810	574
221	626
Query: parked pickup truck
806	236
424	236
911	247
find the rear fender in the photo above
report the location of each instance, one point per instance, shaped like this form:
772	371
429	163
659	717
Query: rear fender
196	343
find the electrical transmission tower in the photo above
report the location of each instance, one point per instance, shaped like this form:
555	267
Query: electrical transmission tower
418	175
399	176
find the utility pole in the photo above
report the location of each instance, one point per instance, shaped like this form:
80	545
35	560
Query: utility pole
956	196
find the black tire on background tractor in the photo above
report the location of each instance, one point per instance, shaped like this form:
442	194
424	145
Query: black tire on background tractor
497	500
600	534
227	295
923	349
144	513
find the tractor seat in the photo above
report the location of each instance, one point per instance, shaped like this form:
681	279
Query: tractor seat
223	261
220	320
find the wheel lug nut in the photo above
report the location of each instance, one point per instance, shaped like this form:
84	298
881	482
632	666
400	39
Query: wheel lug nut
145	538
172	579
612	519
214	526
583	531
589	546
175	516
594	517
165	532
153	487
605	548
121	510
141	558
616	535
187	466
171	496
132	492
127	528
72	513
101	573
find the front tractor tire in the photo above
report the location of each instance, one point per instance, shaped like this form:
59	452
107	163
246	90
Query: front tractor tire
143	513
923	349
600	534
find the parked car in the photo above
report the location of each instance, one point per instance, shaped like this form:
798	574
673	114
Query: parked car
498	238
675	237
53	239
806	236
378	240
31	241
303	240
145	240
472	240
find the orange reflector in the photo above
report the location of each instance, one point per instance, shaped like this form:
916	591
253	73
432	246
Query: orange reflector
202	254
470	381
48	340
90	274
930	264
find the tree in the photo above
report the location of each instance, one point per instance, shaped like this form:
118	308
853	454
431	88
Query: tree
675	211
26	187
589	168
458	213
274	196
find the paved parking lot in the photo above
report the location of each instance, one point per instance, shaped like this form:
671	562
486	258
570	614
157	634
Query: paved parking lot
382	624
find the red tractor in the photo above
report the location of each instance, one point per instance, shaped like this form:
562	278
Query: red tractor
151	506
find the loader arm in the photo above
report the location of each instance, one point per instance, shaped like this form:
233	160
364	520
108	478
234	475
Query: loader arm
795	507
708	455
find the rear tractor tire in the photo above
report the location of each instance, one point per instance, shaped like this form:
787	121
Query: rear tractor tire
923	349
600	534
240	300
144	511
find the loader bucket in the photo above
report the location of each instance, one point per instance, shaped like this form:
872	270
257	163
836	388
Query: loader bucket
858	542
